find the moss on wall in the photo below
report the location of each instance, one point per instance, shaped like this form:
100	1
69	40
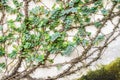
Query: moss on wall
107	72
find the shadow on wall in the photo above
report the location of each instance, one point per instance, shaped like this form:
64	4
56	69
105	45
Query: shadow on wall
107	72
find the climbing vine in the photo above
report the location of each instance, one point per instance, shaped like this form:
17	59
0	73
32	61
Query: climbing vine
32	35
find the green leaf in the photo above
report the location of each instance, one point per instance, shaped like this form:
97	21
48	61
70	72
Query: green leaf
99	3
54	24
27	45
53	50
36	21
87	20
97	24
68	50
2	51
116	1
11	10
99	39
77	40
3	39
11	24
2	65
13	54
40	58
71	4
19	17
16	3
85	42
88	33
104	11
4	1
51	60
87	1
30	57
55	36
36	10
42	23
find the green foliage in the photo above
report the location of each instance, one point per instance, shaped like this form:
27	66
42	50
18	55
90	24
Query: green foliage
68	50
13	54
107	72
2	65
116	1
55	36
19	17
98	39
2	39
34	31
17	3
104	11
3	3
40	58
97	24
2	51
